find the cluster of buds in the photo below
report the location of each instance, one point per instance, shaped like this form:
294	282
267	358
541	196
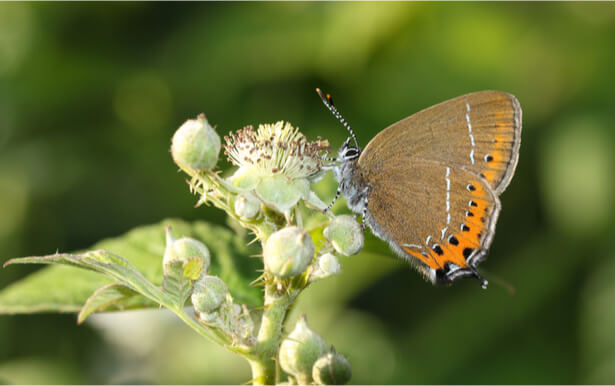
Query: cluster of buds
307	358
276	166
214	305
290	251
210	296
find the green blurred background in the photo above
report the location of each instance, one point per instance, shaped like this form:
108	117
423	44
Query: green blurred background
91	94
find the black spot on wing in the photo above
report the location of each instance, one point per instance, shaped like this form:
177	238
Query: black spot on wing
467	252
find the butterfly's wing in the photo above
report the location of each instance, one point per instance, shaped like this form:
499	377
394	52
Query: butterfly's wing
479	132
441	218
435	178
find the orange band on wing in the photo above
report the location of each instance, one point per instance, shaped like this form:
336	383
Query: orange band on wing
429	261
499	158
460	245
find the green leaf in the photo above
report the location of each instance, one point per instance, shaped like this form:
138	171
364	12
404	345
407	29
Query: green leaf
104	297
66	289
104	262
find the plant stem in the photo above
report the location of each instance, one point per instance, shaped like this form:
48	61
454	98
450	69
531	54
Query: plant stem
263	362
262	373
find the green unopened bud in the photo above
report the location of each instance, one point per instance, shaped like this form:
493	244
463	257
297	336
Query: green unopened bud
326	265
195	145
331	369
185	249
300	350
288	252
345	234
208	294
247	205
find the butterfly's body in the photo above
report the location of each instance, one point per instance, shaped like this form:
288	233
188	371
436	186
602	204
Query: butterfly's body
352	185
429	184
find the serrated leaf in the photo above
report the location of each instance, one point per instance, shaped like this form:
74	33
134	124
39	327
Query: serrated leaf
113	266
66	289
104	297
176	283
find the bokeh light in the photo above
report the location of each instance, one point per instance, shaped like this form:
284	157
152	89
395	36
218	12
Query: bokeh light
577	169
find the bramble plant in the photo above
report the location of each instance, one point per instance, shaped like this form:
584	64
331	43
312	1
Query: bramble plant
270	195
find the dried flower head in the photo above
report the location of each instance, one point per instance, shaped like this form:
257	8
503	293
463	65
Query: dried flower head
277	148
276	162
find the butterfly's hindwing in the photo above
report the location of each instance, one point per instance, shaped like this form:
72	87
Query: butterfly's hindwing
440	216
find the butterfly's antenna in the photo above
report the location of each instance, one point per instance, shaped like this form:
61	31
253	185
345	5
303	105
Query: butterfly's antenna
510	288
328	101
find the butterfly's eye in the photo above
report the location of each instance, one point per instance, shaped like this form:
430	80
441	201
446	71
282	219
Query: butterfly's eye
351	153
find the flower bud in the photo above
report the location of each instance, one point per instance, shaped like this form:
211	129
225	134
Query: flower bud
195	145
247	205
300	350
345	234
208	294
326	265
331	369
288	252
184	249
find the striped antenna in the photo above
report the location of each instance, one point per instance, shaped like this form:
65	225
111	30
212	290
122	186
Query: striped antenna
329	103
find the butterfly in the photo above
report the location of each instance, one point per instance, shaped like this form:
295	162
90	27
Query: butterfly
429	185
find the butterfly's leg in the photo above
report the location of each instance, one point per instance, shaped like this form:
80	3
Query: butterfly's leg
329	159
365	199
337	194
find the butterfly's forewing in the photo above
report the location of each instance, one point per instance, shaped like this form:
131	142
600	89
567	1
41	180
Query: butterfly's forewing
479	132
435	176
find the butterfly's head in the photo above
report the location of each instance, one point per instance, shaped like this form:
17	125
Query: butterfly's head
347	172
348	152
